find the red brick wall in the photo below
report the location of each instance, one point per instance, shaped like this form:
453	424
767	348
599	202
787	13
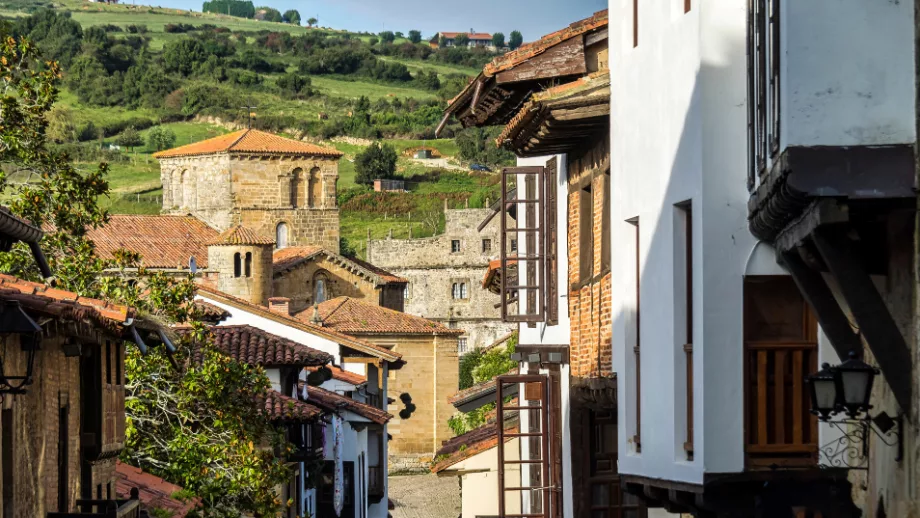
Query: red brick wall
589	304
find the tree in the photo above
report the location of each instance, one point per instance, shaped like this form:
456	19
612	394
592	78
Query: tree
462	40
375	162
515	40
61	127
373	41
242	9
268	14
129	138
160	138
291	16
312	21
387	36
57	35
400	35
415	36
197	426
293	84
183	55
498	40
478	145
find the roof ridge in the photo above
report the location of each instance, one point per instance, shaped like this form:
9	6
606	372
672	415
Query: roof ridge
237	141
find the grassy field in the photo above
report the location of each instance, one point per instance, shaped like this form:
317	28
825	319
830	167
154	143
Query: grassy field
442	69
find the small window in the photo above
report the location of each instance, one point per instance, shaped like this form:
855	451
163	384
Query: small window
514	245
281	236
321	287
459	291
248	264
486	246
455	246
461	345
237	265
407	293
463	292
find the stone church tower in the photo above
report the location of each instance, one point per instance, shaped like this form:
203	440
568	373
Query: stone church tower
243	261
272	185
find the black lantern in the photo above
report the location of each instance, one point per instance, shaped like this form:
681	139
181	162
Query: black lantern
823	392
854	379
15	321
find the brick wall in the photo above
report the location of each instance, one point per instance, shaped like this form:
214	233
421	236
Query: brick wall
589	304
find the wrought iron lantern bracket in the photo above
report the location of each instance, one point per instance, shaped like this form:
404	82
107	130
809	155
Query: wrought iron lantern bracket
851	449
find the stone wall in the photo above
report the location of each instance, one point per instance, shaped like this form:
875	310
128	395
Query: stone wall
306	227
430	375
298	285
256	287
199	185
432	268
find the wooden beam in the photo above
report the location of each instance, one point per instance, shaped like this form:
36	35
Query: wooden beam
833	321
869	309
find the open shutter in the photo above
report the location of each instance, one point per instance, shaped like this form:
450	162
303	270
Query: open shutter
552	261
523	286
525	487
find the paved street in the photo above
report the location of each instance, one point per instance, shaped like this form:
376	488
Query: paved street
425	496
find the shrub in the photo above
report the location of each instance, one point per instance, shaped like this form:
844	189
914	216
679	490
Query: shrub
183	55
291	16
129	138
116	127
294	85
375	162
415	36
136	29
87	132
160	138
199	98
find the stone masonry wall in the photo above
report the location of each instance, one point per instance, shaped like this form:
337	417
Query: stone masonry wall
297	284
199	186
257	287
430	375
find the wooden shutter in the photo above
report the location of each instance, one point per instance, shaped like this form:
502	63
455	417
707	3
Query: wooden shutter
552	260
604	188
527	287
585	234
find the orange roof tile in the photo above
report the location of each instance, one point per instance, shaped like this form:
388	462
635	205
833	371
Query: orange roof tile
472	443
162	241
289	257
353	316
240	235
153	491
250	141
332	401
252	345
33	296
341	374
279	407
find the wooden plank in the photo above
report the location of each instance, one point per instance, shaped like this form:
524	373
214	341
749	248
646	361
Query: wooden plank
869	309
563	59
761	397
779	396
798	436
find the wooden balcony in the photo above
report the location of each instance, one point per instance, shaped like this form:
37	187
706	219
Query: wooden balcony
103	509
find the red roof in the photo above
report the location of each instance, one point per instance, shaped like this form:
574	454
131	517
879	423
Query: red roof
279	407
471	35
257	347
56	303
154	492
332	401
292	256
472	443
163	241
341	374
250	141
475	391
354	316
240	235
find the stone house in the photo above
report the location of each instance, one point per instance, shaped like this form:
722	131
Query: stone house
420	388
443	274
275	186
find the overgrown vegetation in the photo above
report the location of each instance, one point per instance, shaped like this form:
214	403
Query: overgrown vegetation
479	367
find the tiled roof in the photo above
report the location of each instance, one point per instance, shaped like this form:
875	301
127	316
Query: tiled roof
353	316
341	374
332	334
153	491
250	141
475	391
57	303
529	50
332	401
289	257
472	443
211	313
257	347
279	407
163	241
240	235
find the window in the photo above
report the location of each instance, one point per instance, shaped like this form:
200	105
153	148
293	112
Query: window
586	234
320	287
683	282
459	291
281	236
552	302
296	189
524	269
7	453
248	264
514	245
454	246
237	266
316	188
407	291
461	345
763	85
486	246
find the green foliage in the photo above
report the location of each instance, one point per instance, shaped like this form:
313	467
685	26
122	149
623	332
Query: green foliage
478	145
373	41
269	14
375	162
182	55
54	32
312	21
462	39
87	78
387	37
468	362
129	138
515	40
415	36
242	9
498	40
294	85
496	362
461	423
482	367
61	127
160	138
291	16
346	248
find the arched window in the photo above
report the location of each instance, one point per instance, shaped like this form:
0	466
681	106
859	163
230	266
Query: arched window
248	264
237	267
281	235
315	188
463	293
296	187
320	287
177	188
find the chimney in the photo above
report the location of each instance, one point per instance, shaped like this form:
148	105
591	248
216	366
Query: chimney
316	318
280	305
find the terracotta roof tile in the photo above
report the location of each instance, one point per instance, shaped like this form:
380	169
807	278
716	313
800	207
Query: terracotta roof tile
240	235
162	241
252	345
332	401
289	257
384	275
341	374
279	407
342	338
353	316
154	492
475	391
472	443
250	141
211	313
63	304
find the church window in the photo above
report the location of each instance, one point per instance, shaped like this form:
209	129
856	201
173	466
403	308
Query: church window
281	235
320	288
248	264
315	188
296	188
237	266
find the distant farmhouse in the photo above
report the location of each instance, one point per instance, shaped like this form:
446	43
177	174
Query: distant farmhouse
476	39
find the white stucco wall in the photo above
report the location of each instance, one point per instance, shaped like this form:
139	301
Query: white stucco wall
479	481
847	72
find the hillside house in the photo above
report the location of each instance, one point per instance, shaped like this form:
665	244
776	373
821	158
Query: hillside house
442	273
476	39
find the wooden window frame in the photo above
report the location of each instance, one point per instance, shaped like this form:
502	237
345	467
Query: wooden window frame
486	245
63	478
585	234
532	303
551	265
8	454
764	81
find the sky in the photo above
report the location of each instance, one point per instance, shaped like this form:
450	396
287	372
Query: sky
533	18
